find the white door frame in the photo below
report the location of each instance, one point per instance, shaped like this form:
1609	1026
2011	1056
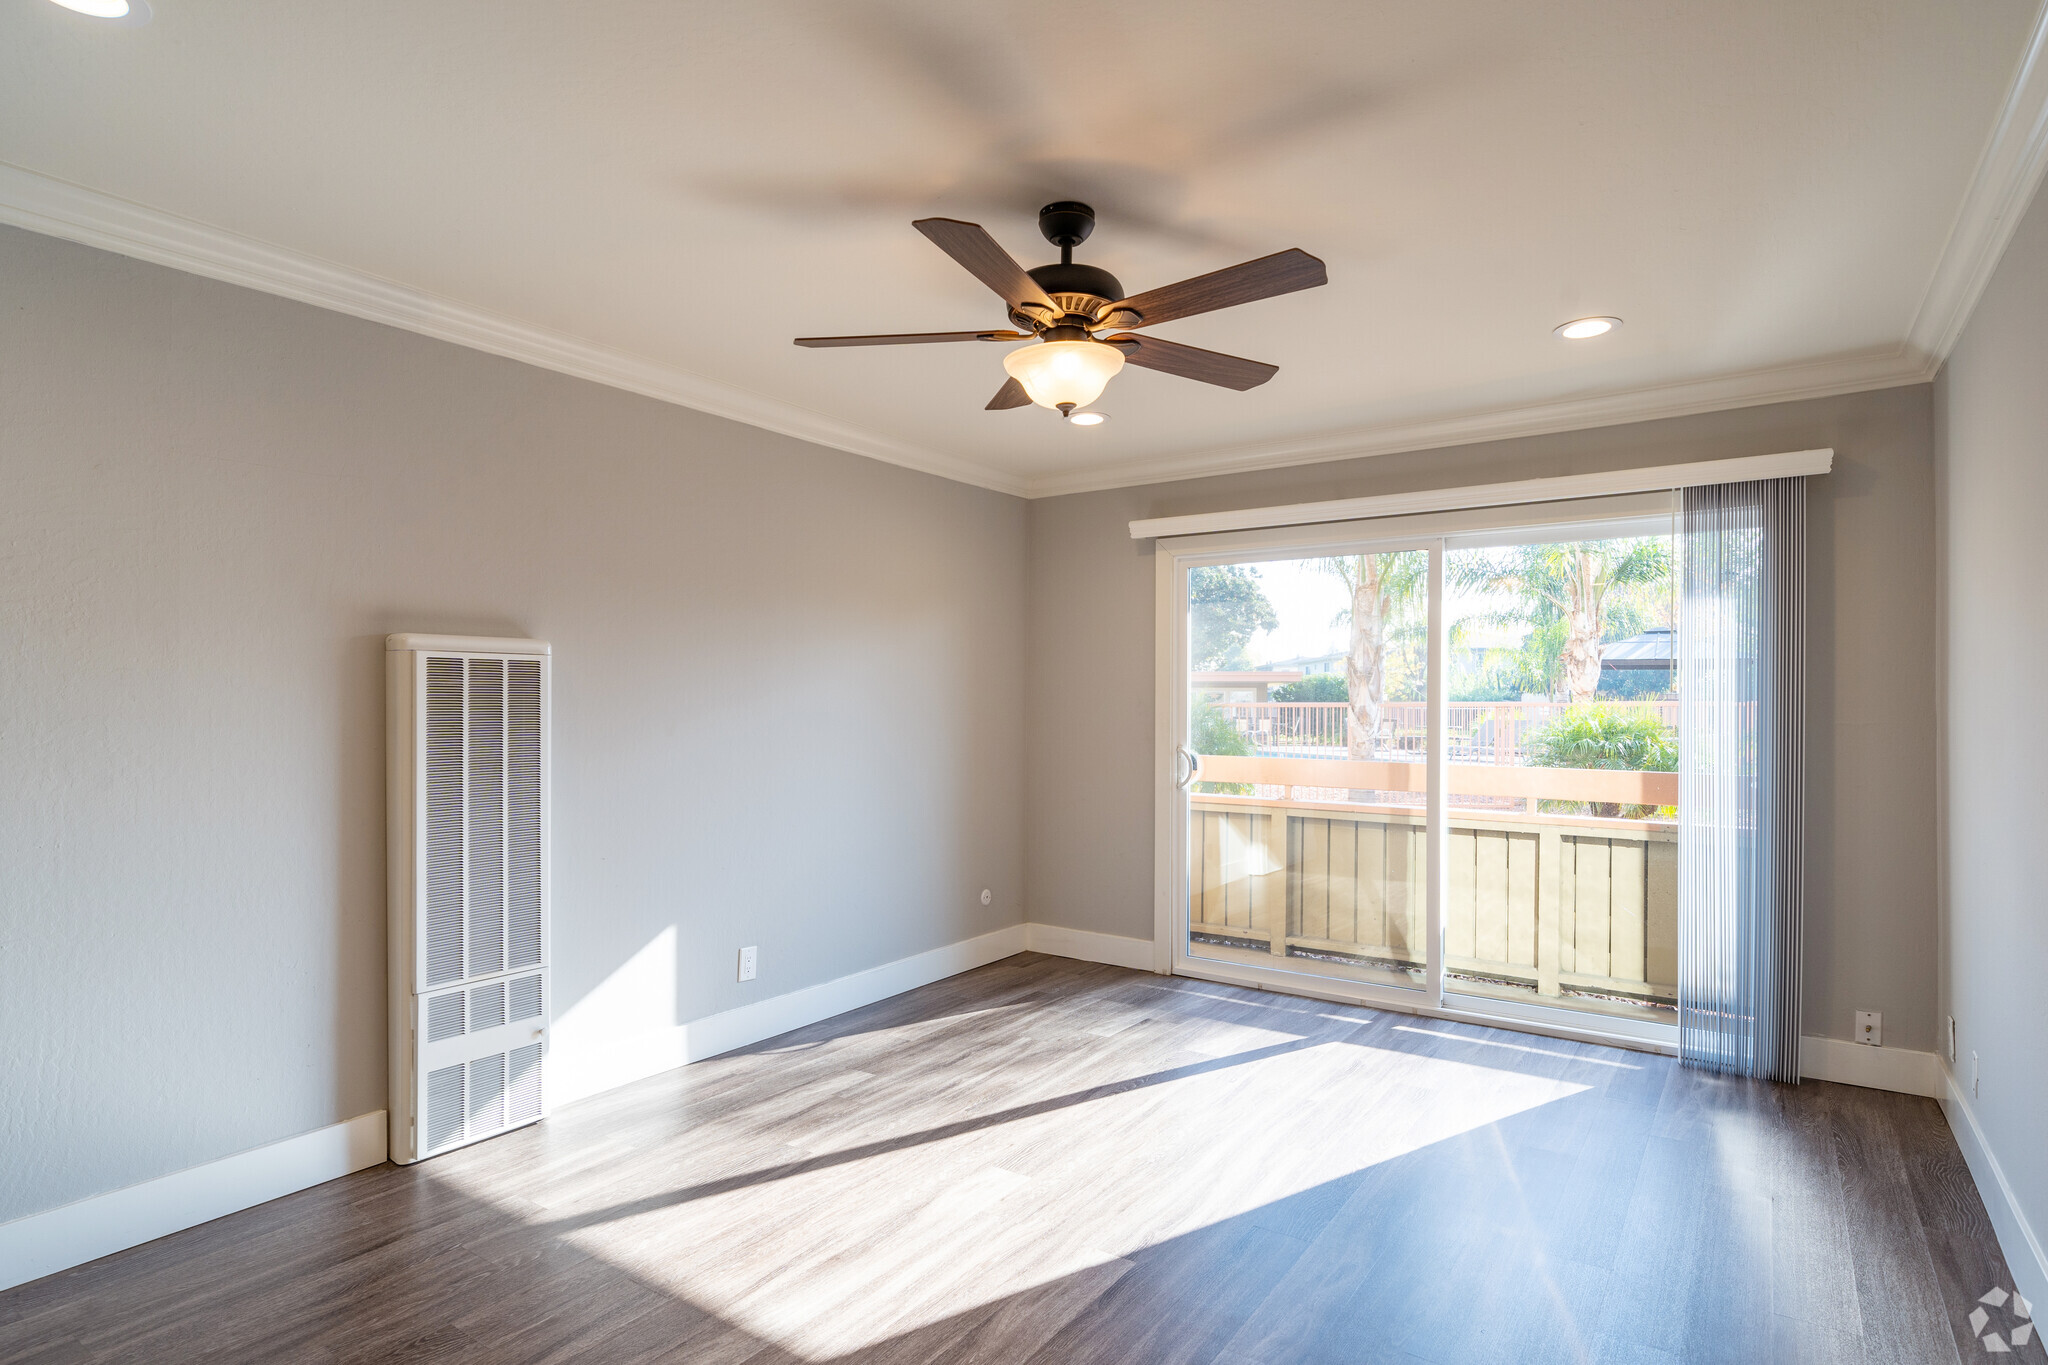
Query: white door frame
1434	532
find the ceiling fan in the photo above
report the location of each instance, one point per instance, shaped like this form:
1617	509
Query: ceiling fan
1061	309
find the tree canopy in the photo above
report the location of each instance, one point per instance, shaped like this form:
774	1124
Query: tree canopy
1573	597
1226	608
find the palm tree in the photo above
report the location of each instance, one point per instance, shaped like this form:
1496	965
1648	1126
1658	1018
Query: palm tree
1383	588
1565	586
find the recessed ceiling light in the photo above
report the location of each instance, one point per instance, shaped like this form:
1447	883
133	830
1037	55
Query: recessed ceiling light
1579	329
1088	419
132	11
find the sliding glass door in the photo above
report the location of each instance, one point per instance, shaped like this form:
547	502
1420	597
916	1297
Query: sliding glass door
1430	769
1563	878
1307	769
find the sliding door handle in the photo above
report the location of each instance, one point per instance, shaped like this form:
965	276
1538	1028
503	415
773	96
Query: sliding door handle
1194	766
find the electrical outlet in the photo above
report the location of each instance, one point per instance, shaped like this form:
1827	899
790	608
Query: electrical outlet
988	897
750	959
1951	1040
1870	1028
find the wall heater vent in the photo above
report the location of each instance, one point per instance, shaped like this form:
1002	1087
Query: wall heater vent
468	778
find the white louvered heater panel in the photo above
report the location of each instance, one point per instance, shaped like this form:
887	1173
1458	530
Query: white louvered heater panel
470	992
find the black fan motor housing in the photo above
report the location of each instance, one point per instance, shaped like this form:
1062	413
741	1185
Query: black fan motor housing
1077	279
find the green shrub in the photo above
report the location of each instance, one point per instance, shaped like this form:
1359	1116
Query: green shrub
1212	732
1315	687
1612	737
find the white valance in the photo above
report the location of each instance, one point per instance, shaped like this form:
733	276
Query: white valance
1698	474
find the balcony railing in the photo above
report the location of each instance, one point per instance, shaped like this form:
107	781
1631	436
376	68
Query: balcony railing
1564	909
1480	732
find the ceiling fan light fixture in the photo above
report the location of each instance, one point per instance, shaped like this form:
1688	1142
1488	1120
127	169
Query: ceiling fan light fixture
1059	308
1064	373
1585	329
1087	419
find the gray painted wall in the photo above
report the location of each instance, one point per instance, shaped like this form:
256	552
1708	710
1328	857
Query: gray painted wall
1992	475
1871	884
787	680
789	687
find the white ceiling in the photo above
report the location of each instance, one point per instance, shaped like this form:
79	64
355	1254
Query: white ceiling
662	194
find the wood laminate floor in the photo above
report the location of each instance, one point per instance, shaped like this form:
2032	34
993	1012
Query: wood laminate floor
1055	1162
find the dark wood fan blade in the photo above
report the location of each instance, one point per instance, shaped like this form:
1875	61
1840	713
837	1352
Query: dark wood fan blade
1192	362
1010	395
912	338
1281	273
970	245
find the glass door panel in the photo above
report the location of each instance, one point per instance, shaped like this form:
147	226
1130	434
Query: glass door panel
1562	886
1306	765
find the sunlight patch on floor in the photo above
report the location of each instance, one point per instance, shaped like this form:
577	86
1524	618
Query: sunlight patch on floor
894	1239
1574	1057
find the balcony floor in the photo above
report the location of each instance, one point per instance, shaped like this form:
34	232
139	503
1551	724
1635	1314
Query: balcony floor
1050	1161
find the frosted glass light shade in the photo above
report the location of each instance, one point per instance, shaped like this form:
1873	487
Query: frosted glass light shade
98	9
1056	372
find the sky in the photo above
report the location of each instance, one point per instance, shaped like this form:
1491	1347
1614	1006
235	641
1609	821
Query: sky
1308	600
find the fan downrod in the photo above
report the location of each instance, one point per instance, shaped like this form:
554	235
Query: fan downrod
1077	290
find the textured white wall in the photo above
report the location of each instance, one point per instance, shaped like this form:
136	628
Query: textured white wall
1870	840
788	683
1992	423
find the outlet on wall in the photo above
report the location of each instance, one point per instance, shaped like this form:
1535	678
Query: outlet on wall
750	959
1870	1028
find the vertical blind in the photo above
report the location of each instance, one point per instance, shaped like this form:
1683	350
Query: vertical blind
1741	857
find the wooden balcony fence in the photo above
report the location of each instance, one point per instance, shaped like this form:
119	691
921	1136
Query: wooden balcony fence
1570	909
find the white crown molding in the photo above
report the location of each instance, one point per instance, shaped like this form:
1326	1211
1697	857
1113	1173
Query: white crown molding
2007	175
59	209
1782	384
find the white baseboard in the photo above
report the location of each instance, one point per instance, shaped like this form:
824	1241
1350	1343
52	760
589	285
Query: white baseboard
45	1243
57	1239
587	1070
2023	1253
1089	946
590	1069
1877	1068
1821	1059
